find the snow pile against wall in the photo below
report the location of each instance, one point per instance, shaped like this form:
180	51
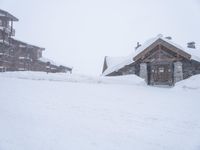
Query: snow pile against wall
77	78
192	83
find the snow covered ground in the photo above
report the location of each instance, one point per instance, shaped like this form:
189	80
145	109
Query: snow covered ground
41	111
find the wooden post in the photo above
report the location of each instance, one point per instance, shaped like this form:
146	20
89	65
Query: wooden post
159	49
11	27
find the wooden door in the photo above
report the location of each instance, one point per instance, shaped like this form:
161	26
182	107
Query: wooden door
161	74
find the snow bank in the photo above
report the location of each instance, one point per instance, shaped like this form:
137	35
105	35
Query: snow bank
192	83
43	115
63	77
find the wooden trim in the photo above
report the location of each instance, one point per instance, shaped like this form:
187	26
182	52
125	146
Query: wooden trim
164	43
167	60
145	51
176	50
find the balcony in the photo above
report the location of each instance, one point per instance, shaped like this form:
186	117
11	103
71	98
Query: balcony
8	29
5	41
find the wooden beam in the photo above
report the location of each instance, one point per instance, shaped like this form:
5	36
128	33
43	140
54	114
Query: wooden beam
163	60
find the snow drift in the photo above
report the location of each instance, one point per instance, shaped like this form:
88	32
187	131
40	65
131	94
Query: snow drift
46	112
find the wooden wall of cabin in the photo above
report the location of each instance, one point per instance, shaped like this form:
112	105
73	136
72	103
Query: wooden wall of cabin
190	68
4	37
115	73
133	68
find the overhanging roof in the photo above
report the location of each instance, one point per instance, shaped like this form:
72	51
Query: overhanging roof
27	45
8	15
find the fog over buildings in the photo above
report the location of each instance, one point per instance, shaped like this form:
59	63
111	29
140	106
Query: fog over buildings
80	33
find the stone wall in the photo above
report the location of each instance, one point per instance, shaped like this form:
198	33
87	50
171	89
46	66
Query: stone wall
143	71
178	71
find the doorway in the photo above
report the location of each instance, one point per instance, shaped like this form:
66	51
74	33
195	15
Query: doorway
161	74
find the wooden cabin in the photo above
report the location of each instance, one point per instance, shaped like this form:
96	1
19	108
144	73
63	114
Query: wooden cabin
159	61
16	55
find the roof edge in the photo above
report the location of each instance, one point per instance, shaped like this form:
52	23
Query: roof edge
160	41
8	15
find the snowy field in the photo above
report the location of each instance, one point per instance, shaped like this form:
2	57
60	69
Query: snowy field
41	111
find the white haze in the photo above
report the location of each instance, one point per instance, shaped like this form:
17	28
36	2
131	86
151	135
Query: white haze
80	33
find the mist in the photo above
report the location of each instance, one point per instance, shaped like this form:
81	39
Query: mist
79	33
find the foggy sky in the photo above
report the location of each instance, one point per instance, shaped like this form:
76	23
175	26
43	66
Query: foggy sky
80	33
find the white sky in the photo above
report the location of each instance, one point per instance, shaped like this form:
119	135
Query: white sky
80	33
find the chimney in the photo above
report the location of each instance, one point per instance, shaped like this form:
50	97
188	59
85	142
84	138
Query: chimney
138	45
191	45
168	37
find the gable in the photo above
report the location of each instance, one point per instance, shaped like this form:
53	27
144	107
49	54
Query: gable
158	55
161	45
5	14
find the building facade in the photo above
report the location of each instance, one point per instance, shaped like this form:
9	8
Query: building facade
16	55
159	61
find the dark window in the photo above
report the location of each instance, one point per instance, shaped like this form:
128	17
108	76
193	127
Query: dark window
1	35
161	69
39	54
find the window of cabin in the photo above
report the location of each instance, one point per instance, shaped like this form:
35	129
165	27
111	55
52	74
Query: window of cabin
161	69
1	22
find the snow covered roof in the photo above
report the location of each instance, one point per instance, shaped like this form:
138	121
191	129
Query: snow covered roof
114	64
43	59
117	63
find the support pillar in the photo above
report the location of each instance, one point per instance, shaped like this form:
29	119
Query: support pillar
143	71
178	71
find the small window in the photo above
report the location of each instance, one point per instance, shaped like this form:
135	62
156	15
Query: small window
152	70
161	69
169	70
179	67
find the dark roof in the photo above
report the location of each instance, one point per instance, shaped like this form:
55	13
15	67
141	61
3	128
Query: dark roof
8	15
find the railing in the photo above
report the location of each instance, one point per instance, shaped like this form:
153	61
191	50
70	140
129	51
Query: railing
8	29
5	41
